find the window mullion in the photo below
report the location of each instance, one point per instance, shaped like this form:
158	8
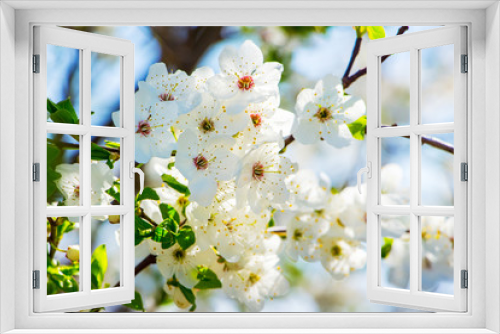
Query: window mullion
414	170
85	170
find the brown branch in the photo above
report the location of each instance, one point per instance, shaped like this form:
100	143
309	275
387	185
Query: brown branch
52	238
349	80
354	54
431	141
148	260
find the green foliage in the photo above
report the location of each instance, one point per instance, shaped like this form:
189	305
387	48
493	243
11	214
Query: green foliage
169	212
176	185
61	278
137	303
374	32
99	265
386	248
114	191
358	128
143	230
208	279
170	165
148	193
53	155
186	237
334	191
62	112
100	153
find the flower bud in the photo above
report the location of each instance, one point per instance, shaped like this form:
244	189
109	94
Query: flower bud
73	253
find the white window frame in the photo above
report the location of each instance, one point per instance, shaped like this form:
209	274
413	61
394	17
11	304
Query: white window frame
414	297
86	44
484	103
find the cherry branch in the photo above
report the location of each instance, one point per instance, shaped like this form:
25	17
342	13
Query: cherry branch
349	80
148	260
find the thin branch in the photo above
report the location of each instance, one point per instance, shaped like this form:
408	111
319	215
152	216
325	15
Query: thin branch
354	54
148	260
431	141
53	237
349	80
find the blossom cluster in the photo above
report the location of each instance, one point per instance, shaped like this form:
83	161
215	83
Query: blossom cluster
213	151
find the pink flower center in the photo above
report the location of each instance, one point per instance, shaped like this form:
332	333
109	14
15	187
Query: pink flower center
144	128
166	97
258	171
246	82
256	120
200	162
77	191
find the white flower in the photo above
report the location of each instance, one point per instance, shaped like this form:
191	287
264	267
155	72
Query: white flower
354	214
177	88
256	277
309	192
203	164
210	119
339	255
260	126
300	240
244	78
153	125
231	230
183	263
69	183
261	178
325	112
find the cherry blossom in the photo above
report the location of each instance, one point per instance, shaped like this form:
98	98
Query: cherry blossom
244	77
324	112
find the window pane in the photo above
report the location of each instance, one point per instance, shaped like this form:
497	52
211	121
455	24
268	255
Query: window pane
395	89
395	173
437	172
395	251
106	252
105	171
63	84
63	252
437	254
106	80
437	84
63	170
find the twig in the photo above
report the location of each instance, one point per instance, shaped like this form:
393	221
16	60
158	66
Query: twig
349	80
354	54
144	216
52	238
148	260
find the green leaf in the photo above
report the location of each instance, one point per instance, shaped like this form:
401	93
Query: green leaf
53	153
169	212
334	191
375	32
170	165
99	265
176	185
186	237
190	297
386	248
148	193
271	222
51	106
112	144
137	303
114	191
358	128
143	230
98	153
64	116
208	279
168	241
